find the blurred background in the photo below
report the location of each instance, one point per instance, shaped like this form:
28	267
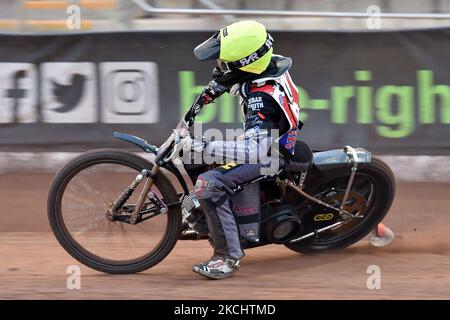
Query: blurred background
50	15
371	73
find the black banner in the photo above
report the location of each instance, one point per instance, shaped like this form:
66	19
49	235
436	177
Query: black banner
385	91
228	309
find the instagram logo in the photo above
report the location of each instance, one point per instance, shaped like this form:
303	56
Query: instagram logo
130	92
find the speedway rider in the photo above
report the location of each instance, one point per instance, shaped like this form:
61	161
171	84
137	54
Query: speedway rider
246	67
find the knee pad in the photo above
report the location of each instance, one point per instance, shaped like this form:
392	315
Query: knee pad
208	186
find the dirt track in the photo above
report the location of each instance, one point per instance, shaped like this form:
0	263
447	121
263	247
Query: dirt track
416	265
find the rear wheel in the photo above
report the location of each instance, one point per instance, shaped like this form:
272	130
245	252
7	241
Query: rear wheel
371	195
78	203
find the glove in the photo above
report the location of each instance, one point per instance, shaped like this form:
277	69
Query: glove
212	91
182	132
190	144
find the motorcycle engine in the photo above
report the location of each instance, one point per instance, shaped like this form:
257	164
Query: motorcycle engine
280	223
192	216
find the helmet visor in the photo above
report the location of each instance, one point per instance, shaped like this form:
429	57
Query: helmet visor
208	50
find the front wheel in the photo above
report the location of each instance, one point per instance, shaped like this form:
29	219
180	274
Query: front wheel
374	189
78	202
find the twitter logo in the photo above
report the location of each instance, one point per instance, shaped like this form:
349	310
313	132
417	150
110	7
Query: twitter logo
69	92
69	96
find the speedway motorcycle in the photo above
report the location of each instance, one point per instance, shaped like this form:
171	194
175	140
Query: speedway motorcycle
117	212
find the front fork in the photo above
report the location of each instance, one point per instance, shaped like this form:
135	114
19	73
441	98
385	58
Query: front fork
148	184
126	194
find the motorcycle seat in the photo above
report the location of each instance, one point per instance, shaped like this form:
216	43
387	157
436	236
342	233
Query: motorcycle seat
302	158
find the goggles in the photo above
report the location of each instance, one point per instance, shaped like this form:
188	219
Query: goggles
227	67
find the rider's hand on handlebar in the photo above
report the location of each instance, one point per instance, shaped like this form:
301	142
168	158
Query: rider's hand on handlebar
212	91
190	144
181	133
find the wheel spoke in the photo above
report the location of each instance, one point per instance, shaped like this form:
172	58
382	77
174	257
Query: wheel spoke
88	197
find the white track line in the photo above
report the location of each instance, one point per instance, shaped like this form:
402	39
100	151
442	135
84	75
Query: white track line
406	168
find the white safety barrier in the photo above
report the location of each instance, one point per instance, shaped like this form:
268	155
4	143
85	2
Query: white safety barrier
406	168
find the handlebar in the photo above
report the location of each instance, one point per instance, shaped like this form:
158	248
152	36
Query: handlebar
161	157
174	145
169	147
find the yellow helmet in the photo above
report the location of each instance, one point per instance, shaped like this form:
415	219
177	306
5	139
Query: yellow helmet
244	45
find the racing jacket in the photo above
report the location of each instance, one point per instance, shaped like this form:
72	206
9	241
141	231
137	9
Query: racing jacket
269	102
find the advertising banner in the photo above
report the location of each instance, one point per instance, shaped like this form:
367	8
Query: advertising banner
386	91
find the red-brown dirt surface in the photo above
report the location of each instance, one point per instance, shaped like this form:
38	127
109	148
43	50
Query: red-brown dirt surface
416	265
